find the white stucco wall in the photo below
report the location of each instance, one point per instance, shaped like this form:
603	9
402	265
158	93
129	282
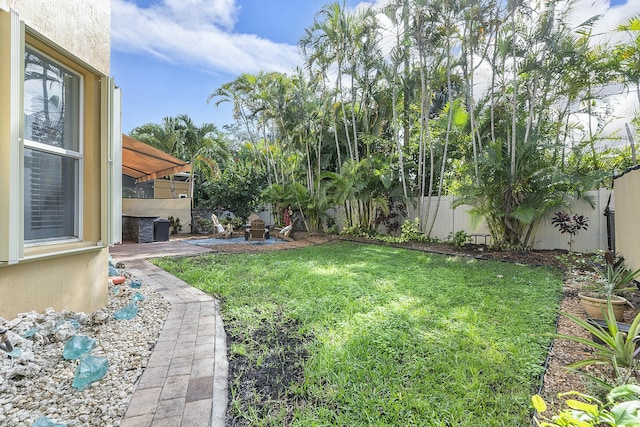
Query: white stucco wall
63	21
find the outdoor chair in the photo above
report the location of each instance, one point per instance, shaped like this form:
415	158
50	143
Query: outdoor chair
257	230
286	233
218	229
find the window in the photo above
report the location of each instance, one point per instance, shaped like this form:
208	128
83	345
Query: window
52	150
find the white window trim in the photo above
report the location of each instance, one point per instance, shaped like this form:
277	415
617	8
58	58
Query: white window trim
16	164
77	155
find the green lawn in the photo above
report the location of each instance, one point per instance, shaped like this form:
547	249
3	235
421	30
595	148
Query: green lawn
373	335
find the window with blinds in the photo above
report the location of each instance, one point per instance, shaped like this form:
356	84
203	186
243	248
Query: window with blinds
52	149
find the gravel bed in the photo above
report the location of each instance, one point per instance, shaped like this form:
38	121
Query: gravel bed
38	382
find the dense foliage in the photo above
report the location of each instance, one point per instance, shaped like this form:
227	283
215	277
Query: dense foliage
237	189
385	110
504	104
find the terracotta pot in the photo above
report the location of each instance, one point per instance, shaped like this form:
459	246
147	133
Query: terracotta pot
595	307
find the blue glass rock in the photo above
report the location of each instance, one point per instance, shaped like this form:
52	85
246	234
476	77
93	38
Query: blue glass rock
128	312
75	323
89	370
136	284
16	352
113	271
31	332
137	297
77	346
46	422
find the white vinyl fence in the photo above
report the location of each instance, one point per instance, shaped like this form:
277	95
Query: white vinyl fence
546	236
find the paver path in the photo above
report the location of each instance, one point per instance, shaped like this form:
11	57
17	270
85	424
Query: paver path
185	381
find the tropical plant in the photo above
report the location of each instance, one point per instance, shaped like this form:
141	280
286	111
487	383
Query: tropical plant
615	278
163	136
414	114
622	408
459	238
411	231
611	346
571	225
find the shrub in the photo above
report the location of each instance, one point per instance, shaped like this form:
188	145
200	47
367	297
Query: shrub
570	224
411	231
459	238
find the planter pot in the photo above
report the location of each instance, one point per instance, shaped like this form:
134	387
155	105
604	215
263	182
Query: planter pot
595	307
622	327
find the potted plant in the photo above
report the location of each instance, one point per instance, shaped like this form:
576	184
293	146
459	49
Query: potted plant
614	278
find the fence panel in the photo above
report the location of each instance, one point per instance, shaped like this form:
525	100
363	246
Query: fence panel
546	236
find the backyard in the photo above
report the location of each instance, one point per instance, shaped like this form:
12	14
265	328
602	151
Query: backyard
356	334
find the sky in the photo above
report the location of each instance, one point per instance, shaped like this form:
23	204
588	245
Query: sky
167	56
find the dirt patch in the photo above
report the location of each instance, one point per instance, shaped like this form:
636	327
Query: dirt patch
262	386
258	388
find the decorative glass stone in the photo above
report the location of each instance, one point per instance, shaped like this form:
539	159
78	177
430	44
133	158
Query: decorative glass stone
137	297
46	422
128	312
77	346
89	370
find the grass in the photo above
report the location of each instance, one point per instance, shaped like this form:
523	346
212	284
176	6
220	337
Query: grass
379	335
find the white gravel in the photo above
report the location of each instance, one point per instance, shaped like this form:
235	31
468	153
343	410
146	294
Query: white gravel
38	382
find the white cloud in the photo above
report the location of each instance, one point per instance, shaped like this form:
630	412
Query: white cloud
197	33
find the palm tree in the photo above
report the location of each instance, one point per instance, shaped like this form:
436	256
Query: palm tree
163	136
627	62
203	146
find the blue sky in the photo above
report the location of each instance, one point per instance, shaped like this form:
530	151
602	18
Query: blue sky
167	56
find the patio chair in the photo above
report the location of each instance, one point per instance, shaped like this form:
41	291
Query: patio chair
257	230
218	229
286	233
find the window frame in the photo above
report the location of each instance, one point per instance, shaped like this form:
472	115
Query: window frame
77	156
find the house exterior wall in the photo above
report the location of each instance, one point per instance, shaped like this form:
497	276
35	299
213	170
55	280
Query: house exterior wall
82	28
60	274
76	282
627	211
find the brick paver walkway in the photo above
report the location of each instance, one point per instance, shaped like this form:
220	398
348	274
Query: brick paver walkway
185	382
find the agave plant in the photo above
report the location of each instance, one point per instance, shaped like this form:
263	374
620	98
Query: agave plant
610	346
615	278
